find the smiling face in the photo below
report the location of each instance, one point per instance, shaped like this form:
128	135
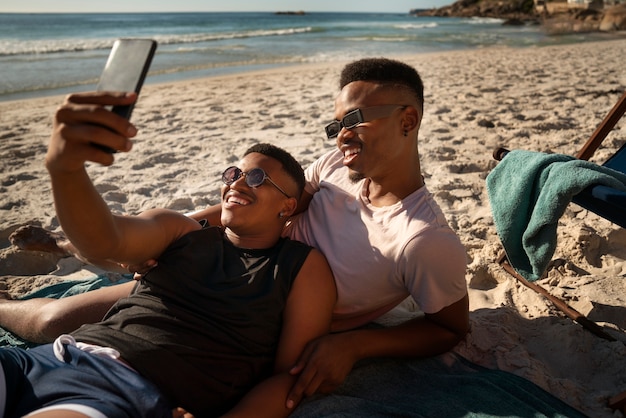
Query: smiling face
378	147
254	212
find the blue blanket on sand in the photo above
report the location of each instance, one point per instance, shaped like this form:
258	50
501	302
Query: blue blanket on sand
528	192
447	386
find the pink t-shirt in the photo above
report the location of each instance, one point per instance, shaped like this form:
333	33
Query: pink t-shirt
379	256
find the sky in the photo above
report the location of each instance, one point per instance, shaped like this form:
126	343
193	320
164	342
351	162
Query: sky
82	6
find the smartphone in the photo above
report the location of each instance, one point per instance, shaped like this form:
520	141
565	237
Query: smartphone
126	70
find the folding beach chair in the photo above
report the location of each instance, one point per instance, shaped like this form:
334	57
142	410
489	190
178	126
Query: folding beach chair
607	202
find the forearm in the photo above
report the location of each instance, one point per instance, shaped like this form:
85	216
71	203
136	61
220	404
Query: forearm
267	399
419	337
424	336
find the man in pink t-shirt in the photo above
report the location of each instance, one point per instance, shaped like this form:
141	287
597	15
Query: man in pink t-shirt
384	235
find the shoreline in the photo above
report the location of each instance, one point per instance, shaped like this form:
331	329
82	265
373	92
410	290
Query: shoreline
541	98
227	72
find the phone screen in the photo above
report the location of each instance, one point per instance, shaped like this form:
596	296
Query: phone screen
126	68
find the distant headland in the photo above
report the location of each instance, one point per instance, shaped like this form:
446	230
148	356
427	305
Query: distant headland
563	16
298	12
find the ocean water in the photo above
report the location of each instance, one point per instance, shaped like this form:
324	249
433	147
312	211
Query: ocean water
43	54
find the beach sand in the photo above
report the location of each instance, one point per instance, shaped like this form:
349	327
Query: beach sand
542	99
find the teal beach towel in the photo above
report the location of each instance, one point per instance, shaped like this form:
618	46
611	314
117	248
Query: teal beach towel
528	193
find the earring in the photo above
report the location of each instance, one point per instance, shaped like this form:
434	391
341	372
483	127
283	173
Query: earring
280	215
406	133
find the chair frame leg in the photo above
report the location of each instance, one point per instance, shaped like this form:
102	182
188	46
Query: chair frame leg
558	303
607	124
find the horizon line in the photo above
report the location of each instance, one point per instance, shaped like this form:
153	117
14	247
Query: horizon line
210	11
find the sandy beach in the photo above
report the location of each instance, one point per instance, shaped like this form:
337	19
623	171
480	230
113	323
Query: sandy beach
542	99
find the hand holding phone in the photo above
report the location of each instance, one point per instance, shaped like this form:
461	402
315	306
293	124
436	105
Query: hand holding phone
126	70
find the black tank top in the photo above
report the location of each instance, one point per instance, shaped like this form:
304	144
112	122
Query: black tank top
204	324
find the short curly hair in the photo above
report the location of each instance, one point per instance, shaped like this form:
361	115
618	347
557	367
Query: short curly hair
289	163
384	71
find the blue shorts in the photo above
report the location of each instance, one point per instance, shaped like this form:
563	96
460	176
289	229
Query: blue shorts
35	379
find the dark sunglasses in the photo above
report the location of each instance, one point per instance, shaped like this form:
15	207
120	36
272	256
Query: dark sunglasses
254	177
357	116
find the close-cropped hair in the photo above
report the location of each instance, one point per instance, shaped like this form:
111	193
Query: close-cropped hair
291	166
384	71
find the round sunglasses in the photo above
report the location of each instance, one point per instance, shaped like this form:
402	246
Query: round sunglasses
254	177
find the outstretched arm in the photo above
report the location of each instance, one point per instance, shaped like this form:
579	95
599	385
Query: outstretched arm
80	123
95	233
307	316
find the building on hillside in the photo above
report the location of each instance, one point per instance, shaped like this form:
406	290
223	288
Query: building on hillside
586	4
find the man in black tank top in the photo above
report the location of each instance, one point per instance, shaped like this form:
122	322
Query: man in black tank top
213	329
